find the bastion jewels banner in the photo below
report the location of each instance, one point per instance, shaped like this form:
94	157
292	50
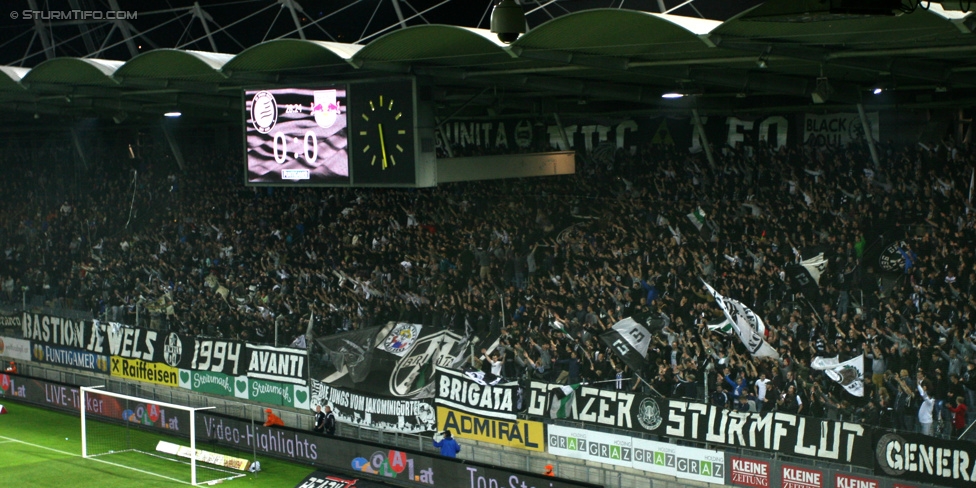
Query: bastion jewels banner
82	343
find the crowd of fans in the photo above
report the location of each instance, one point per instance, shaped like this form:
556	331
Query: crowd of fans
549	264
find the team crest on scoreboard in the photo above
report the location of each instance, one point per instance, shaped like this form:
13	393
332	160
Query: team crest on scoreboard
401	339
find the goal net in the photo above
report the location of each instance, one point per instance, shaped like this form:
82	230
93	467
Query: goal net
151	437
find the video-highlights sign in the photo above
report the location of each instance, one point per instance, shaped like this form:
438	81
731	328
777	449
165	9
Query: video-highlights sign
656	457
374	461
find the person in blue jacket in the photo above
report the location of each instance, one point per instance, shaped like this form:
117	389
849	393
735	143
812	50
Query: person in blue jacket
449	447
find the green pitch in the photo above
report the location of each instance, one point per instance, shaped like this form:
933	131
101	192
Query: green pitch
41	447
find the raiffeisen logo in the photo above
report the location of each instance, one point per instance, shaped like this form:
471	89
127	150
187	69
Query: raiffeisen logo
394	464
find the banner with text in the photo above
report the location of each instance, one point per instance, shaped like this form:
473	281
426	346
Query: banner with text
10	318
144	415
523	434
926	460
408	416
839	129
270	392
72	358
789	434
139	370
13	348
656	457
282	364
114	339
607	408
460	391
374	461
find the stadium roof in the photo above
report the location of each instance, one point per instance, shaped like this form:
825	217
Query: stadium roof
776	56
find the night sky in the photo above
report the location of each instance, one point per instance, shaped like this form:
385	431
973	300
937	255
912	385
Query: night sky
356	20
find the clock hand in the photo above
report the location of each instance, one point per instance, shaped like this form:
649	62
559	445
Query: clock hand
382	144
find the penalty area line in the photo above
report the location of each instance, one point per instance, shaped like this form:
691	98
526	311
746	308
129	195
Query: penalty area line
10	439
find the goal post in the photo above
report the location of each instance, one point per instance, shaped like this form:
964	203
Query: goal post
145	435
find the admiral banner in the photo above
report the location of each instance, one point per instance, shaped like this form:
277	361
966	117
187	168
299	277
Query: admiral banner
139	370
460	391
72	358
14	348
785	433
926	460
283	364
523	434
656	457
408	416
610	408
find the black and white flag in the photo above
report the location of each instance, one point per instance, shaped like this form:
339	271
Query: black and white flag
748	325
804	277
849	374
630	340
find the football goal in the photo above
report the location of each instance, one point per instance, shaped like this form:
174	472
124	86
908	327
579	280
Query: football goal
150	437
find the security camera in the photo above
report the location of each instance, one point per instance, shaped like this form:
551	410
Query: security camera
508	21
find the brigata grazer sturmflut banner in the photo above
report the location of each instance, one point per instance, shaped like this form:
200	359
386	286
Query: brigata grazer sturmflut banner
607	408
789	434
390	414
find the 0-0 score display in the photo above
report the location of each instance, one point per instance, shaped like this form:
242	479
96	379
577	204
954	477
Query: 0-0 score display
296	136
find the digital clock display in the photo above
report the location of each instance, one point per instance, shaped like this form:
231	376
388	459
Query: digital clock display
296	136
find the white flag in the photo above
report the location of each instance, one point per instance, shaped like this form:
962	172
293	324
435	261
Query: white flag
849	374
815	266
748	325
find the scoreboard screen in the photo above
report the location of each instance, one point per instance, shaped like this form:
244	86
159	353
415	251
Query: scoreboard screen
296	136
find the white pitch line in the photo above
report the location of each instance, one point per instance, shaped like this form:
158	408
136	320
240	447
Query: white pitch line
9	439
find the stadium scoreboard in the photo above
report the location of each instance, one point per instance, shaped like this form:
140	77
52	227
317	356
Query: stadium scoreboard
355	134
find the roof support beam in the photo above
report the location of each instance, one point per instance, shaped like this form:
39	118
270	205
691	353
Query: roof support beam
294	8
203	17
42	32
124	30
